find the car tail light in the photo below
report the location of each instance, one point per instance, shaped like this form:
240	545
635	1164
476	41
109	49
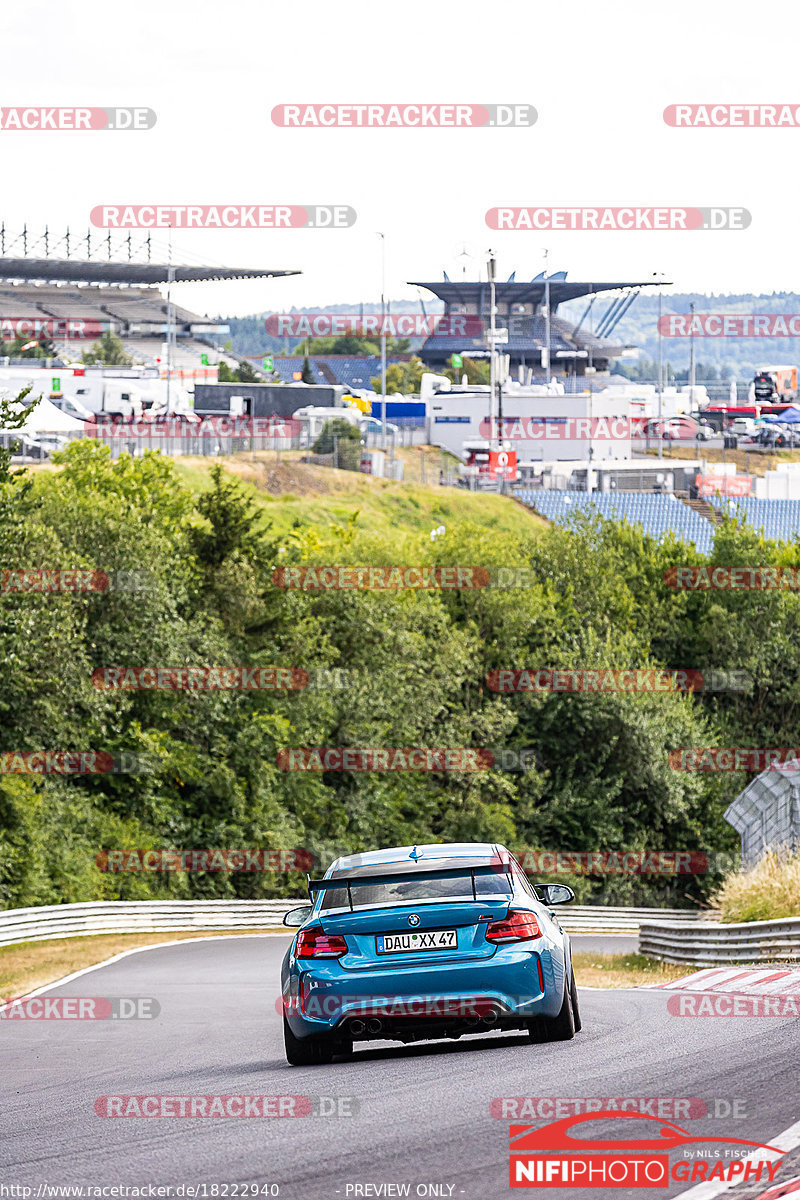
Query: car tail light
517	927
313	943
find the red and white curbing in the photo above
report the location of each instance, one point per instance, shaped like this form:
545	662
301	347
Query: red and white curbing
755	981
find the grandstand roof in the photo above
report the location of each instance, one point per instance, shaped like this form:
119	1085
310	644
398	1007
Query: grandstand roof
520	292
71	270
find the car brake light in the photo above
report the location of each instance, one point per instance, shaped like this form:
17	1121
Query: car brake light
517	927
313	943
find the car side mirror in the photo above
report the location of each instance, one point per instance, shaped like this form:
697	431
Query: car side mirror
297	916
557	893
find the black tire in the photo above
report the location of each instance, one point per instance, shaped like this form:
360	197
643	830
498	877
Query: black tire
576	1012
306	1052
555	1029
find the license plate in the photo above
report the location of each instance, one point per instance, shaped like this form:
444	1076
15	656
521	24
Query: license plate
407	943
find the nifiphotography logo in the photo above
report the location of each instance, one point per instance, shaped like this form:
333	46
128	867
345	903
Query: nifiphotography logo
573	1162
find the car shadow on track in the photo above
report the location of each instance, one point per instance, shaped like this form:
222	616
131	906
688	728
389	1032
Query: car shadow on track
475	1045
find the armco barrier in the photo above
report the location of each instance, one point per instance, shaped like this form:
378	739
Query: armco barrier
601	918
173	916
706	944
138	916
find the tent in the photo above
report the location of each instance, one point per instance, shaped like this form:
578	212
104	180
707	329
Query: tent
790	416
44	417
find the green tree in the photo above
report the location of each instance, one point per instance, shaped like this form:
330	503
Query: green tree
247	373
347	446
403	378
232	518
44	348
476	372
13	415
307	375
353	344
244	373
107	351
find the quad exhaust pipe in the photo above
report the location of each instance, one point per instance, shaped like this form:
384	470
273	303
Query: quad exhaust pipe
357	1026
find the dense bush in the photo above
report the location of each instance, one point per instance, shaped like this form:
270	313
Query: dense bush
388	668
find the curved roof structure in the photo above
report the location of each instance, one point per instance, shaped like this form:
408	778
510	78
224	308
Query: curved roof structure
72	270
520	292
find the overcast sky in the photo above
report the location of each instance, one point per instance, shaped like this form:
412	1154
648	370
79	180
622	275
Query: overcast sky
599	75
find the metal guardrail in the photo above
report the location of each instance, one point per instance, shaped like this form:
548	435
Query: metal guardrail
707	944
174	916
597	918
138	916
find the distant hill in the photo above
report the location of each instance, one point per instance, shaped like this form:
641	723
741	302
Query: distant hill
729	356
249	336
721	357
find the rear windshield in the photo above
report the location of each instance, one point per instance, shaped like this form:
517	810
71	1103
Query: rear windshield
415	891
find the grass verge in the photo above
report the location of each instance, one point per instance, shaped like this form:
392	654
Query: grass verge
31	965
767	892
623	970
296	495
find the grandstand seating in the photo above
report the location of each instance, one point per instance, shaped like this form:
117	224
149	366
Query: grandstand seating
656	513
779	519
131	306
12	304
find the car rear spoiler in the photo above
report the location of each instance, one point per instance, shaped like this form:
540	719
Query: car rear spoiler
500	867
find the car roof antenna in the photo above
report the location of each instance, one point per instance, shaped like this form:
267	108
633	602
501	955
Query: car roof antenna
415	854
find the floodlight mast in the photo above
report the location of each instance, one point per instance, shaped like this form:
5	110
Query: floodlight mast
492	271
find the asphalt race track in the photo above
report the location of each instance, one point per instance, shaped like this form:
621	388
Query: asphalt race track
423	1111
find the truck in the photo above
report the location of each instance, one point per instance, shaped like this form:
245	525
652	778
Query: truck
775	383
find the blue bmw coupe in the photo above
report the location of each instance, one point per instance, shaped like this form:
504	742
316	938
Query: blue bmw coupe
422	942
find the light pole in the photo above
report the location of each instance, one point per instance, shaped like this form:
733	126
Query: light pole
691	357
547	317
170	319
660	367
492	339
383	341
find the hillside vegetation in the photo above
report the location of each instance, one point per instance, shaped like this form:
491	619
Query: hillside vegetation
198	548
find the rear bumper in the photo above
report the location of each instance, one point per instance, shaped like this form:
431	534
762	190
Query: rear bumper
503	991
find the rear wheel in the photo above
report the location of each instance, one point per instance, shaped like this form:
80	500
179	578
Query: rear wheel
573	995
310	1051
556	1029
